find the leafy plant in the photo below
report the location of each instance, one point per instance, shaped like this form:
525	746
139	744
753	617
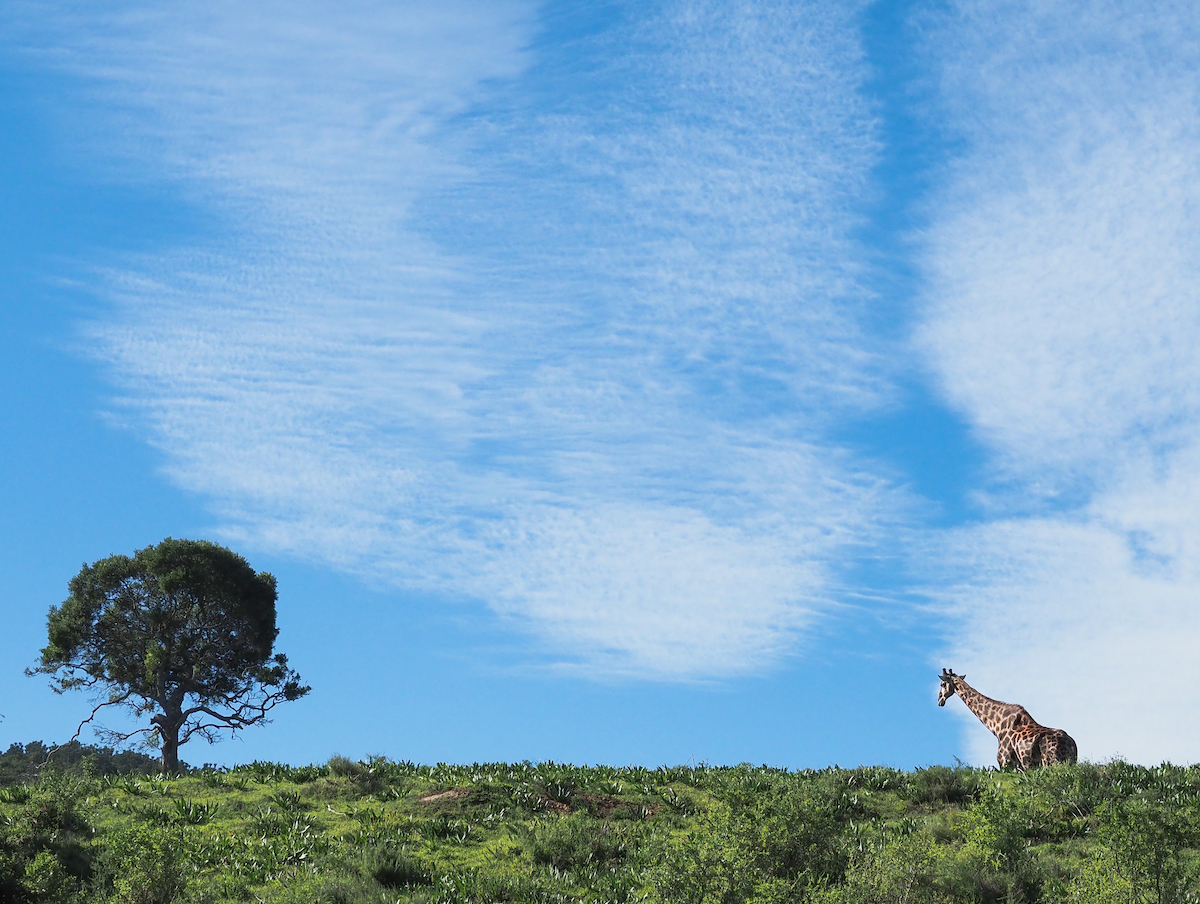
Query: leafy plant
46	879
267	823
288	801
445	828
398	868
194	812
150	865
944	785
17	794
575	842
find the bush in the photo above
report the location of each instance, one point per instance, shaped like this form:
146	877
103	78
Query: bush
1147	844
574	842
903	870
994	862
944	785
47	880
708	864
394	868
1100	881
343	767
149	864
796	834
44	851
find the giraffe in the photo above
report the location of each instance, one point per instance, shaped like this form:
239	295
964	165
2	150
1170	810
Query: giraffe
1023	743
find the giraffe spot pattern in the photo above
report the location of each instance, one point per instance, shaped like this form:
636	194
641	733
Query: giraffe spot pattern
1022	742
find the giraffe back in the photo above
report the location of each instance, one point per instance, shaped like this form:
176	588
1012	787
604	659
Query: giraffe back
1030	745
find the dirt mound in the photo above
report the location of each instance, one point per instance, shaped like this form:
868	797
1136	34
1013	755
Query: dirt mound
447	795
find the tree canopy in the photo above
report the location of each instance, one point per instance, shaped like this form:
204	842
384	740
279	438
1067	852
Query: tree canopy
182	632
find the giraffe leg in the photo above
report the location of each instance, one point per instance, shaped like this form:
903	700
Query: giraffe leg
1025	753
1038	754
1058	751
1006	754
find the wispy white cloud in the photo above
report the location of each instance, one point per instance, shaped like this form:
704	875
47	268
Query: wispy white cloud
1062	318
558	335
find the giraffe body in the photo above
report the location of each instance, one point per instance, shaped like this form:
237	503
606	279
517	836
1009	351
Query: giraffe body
1022	741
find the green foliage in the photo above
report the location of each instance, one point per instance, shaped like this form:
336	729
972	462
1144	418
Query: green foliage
577	841
193	812
347	768
710	863
150	865
382	831
397	868
1144	847
24	762
904	869
44	850
181	632
46	879
939	785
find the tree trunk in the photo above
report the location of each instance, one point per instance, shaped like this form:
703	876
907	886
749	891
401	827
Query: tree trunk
168	733
170	753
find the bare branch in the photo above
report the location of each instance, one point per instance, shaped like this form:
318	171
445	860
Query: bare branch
79	729
119	737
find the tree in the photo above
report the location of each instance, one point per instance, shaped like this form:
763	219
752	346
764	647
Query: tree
183	632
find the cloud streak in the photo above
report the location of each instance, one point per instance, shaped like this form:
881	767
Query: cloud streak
562	335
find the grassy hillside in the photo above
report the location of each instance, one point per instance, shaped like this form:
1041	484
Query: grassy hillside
384	832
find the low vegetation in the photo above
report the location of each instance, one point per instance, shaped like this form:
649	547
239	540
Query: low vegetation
382	831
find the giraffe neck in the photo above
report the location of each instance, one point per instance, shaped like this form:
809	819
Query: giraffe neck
994	715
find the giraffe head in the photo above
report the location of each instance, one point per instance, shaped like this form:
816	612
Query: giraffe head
946	691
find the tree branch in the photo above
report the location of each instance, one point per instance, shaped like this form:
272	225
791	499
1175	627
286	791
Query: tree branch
244	714
79	729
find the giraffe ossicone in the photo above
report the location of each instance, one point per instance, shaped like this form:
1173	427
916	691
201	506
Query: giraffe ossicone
1022	741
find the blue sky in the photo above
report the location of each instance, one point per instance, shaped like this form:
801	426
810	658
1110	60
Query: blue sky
621	382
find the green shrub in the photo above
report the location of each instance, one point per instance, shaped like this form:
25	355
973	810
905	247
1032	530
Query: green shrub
905	869
708	864
944	785
47	833
289	802
397	868
266	823
49	815
575	842
796	834
47	880
445	828
149	864
1144	844
194	812
1101	881
17	794
343	767
994	862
